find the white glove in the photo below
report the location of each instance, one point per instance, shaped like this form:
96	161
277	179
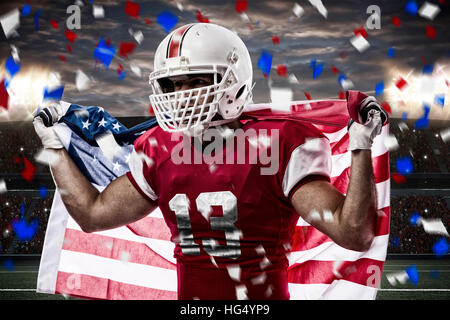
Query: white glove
43	125
361	135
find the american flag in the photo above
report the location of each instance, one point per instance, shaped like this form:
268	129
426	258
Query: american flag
136	261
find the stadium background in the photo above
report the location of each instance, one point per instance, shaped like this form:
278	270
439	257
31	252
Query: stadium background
45	56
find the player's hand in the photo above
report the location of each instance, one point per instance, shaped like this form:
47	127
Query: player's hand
43	125
361	135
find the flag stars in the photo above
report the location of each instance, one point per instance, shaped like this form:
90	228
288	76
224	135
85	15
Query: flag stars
102	122
100	109
86	124
116	126
117	166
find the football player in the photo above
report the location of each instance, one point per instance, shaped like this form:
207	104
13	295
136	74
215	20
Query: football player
233	216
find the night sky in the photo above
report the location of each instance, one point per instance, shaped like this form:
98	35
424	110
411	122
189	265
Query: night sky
301	40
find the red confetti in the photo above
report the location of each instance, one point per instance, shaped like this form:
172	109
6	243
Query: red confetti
201	18
401	83
147	21
342	55
29	170
398	178
361	31
281	70
69	48
396	21
307	95
70	35
61	57
447	83
341	95
150	110
430	32
17	159
423	59
386	107
275	40
54	23
126	48
334	69
241	6
132	9
4	96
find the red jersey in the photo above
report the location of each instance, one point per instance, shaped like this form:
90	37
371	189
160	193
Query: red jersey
231	220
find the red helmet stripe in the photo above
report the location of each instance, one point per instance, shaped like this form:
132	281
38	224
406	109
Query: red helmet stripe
175	41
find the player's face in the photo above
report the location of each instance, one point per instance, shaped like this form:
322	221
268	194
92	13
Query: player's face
188	82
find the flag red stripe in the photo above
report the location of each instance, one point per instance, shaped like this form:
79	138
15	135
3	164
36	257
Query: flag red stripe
175	43
340	146
308	237
80	285
113	248
364	271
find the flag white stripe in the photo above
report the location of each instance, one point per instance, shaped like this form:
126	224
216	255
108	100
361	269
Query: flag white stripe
338	290
120	271
330	251
164	248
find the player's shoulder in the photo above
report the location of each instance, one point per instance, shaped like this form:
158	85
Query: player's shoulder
287	127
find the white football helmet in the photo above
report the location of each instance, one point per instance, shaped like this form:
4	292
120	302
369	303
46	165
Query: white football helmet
201	48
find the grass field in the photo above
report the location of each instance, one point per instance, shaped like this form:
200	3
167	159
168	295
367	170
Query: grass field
433	284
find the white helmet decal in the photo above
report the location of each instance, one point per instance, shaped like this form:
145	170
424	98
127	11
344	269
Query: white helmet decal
201	48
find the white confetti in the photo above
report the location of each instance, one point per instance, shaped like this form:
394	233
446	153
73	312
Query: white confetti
403	126
180	6
81	80
360	43
241	292
336	266
328	216
234	271
15	53
320	7
298	10
108	145
293	79
10	22
346	84
433	226
124	256
281	98
212	168
98	11
3	188
245	17
46	157
259	279
400	277
260	250
269	291
391	142
445	134
314	215
135	69
138	36
429	10
265	263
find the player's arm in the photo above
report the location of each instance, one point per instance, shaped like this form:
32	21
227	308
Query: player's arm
118	204
354	216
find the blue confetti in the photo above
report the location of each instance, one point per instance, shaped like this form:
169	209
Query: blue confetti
379	88
414	218
36	19
404	165
413	274
422	122
391	52
440	248
439	99
318	68
427	69
54	94
43	192
411	8
25	231
341	78
404	116
434	274
265	62
395	241
312	63
8	264
12	67
167	20
121	74
26	10
22	209
104	52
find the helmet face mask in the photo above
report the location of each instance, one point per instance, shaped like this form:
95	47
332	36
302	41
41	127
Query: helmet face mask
217	77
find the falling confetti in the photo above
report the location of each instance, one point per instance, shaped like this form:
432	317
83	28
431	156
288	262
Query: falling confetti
126	48
360	43
29	170
265	62
167	20
3	188
4	96
404	165
391	52
10	22
411	8
241	6
98	11
104	52
441	247
132	9
413	274
379	88
25	231
320	7
298	10
423	121
429	10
